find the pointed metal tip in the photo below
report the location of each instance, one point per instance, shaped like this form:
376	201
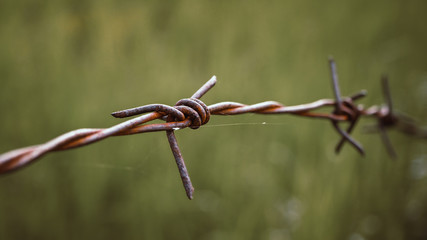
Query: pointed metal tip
118	114
189	190
206	87
213	80
190	195
359	95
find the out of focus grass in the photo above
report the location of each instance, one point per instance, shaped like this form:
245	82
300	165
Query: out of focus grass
68	64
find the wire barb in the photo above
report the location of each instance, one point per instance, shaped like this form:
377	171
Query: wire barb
193	113
347	107
190	108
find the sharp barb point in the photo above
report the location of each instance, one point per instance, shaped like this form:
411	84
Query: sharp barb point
193	113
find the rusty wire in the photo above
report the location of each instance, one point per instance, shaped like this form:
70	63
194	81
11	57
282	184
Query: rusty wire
193	113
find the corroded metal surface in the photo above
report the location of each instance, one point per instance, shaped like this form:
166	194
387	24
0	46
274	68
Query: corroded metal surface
192	112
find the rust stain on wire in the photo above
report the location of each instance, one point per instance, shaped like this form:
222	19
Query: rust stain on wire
193	113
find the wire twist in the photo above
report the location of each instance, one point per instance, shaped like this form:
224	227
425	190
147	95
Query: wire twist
193	113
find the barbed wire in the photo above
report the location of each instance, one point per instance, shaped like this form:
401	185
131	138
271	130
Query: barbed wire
192	112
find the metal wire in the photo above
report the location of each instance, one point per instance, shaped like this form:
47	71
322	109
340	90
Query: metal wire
193	113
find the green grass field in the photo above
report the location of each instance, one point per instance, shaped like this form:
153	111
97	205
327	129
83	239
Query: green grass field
68	64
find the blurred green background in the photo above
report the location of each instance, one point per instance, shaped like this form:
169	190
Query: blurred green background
68	64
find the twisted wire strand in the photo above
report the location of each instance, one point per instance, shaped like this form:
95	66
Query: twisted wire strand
80	137
193	113
15	159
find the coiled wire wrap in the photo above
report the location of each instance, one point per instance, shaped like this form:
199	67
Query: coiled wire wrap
193	113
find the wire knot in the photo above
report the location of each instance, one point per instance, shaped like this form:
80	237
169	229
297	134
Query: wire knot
193	109
349	109
188	108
